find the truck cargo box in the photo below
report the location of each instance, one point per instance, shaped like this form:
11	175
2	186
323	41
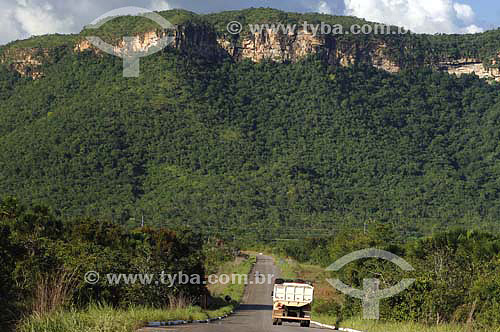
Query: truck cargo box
293	294
292	302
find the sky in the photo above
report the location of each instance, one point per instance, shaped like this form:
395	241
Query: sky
20	19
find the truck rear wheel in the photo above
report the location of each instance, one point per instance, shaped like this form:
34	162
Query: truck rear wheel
280	322
305	323
275	322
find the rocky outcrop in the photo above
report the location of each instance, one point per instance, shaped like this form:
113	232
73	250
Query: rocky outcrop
470	66
200	41
291	47
274	46
196	40
380	60
26	61
203	42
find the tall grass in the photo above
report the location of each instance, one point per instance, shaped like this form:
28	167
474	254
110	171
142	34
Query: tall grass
52	292
103	318
179	302
234	291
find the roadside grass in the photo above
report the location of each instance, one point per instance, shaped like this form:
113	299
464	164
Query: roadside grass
104	318
288	268
291	269
380	326
234	290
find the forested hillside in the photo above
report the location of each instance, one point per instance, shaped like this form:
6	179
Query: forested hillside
236	146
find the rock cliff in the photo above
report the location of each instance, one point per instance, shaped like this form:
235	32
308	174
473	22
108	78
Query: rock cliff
202	41
469	66
26	61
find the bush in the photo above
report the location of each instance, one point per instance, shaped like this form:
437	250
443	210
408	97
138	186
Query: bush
48	258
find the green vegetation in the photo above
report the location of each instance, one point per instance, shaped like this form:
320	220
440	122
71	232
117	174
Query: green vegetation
299	148
114	30
371	326
249	153
407	50
457	279
47	41
235	291
274	16
107	319
44	260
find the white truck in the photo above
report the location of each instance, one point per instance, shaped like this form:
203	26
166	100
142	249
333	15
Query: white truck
292	302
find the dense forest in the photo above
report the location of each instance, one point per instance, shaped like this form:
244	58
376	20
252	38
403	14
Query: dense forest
252	150
456	275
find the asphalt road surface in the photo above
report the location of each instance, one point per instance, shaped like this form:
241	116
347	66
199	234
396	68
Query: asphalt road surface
254	315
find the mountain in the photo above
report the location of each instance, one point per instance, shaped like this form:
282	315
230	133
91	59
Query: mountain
256	135
207	36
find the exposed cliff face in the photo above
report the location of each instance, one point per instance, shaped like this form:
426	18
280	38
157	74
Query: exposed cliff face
469	66
203	42
26	62
380	60
275	47
267	45
188	39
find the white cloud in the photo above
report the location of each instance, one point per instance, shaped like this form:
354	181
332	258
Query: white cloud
324	8
160	5
42	18
464	12
425	16
472	29
9	27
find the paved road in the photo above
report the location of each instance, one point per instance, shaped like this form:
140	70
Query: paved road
254	315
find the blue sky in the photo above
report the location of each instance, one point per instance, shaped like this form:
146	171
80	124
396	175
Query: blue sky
23	18
487	12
